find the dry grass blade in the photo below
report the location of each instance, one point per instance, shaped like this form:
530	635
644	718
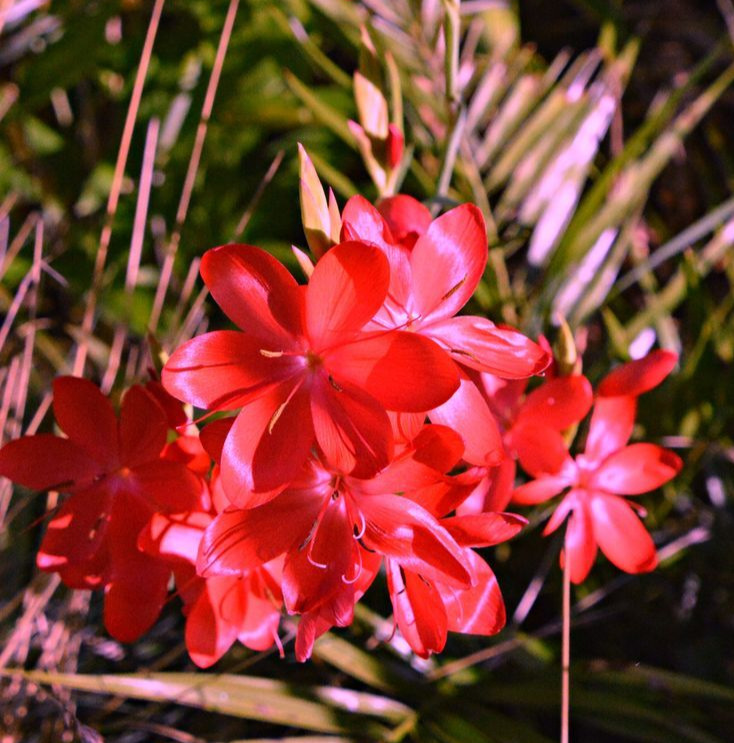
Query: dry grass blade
193	167
114	196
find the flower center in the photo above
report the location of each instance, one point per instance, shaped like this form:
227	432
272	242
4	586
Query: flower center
313	360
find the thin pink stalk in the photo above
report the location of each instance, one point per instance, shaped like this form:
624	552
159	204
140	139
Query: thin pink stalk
193	167
193	318
17	242
40	414
8	203
113	361
7	397
26	365
141	208
186	291
13	309
566	647
132	362
4	237
105	237
269	175
136	250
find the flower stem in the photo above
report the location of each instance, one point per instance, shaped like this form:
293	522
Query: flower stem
565	647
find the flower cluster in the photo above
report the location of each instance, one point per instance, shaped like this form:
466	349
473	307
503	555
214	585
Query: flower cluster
357	424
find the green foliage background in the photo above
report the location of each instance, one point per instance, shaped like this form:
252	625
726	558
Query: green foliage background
652	654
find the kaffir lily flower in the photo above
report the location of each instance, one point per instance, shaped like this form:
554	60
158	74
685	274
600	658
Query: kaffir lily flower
426	610
609	468
557	404
221	609
435	266
334	529
117	478
306	369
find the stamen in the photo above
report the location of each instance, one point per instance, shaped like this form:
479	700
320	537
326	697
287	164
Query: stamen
350	581
363	528
271	354
453	289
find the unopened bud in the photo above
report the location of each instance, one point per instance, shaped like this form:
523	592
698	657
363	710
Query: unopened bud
315	214
567	357
371	107
395	146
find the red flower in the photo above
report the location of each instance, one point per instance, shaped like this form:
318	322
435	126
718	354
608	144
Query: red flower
334	528
557	404
434	269
608	469
219	609
431	280
305	368
117	478
427	609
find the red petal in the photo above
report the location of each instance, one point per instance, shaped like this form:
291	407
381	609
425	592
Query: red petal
310	627
214	435
542	451
496	492
386	366
175	537
352	428
175	413
208	634
539	491
256	292
621	535
267	445
347	287
579	543
259	626
448	261
132	604
611	426
363	222
47	462
558	403
485	529
636	469
143	427
406	217
76	536
86	416
480	344
189	451
167	485
468	414
238	541
639	376
438	447
479	610
221	370
419	611
325	566
139	583
399	528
